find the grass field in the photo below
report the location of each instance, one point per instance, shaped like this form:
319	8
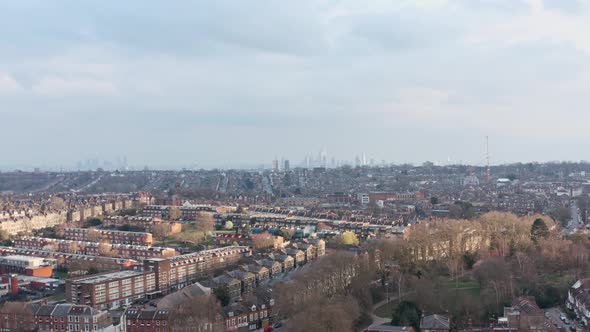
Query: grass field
386	310
473	287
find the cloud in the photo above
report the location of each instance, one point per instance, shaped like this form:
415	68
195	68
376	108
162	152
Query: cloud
8	85
319	67
64	87
539	23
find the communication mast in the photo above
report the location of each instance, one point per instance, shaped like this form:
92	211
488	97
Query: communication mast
488	175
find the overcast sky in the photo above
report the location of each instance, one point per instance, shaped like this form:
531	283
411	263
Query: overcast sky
217	83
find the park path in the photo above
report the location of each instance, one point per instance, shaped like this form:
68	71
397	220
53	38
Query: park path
380	320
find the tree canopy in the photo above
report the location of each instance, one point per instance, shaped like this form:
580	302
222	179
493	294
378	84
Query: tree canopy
406	314
539	230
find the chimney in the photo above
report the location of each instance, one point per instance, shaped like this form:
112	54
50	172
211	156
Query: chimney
14	285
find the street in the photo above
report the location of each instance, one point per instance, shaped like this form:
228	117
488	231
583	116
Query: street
576	219
553	315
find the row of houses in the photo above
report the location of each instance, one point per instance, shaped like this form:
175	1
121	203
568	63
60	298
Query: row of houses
258	270
168	212
73	262
147	224
111	236
19	221
362	229
28	222
94	248
19	316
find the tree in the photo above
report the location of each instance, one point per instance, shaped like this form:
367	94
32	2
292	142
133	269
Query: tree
433	200
73	248
349	238
21	316
93	236
205	222
285	233
93	222
199	314
247	230
60	231
106	249
563	215
57	203
406	314
539	230
175	213
222	294
160	231
5	237
334	315
262	241
92	270
229	225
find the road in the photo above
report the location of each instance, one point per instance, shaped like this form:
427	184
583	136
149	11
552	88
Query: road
553	315
576	220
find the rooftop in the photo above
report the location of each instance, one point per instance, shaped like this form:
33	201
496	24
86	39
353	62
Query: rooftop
105	277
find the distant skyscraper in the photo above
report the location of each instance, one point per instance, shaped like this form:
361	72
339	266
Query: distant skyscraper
286	166
275	165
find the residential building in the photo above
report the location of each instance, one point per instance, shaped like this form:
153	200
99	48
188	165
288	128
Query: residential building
27	265
435	323
261	272
578	299
147	320
111	290
389	328
274	268
177	272
525	315
233	285
54	318
247	279
74	262
94	248
114	237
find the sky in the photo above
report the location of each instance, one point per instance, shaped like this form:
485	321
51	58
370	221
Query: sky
224	83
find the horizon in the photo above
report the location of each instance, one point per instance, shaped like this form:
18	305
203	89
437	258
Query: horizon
268	167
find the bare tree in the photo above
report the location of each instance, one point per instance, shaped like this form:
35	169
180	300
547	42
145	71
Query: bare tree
20	315
57	203
200	314
106	249
205	222
94	236
160	231
263	241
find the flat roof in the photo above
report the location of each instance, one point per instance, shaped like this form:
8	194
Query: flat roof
21	258
100	278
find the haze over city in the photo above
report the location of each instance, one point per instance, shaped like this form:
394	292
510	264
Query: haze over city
236	84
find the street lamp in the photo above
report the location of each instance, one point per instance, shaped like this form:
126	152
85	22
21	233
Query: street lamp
387	290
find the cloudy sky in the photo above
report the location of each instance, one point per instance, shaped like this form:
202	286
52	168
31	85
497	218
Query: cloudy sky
214	83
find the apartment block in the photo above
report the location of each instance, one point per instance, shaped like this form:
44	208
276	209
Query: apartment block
110	290
114	237
179	271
